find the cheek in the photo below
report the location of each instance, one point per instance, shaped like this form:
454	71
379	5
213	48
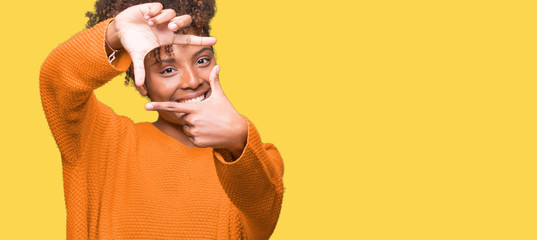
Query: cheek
205	73
160	89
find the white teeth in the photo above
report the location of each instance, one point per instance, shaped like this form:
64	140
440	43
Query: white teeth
198	99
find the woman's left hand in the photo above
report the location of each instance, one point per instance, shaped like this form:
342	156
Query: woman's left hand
213	122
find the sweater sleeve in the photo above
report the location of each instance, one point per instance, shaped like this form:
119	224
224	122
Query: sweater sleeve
67	80
253	183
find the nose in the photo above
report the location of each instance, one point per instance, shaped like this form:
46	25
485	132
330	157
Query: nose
190	79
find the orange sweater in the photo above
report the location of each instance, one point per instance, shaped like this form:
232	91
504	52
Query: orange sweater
131	181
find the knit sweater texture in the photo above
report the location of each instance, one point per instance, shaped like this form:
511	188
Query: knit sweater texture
131	181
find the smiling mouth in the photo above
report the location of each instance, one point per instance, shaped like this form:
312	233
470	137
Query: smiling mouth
194	99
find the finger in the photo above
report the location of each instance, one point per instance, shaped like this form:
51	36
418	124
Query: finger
186	130
171	107
180	22
182	118
164	16
186	119
150	10
193	40
139	69
214	82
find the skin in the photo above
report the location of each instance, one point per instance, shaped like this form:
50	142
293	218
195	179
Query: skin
142	28
190	71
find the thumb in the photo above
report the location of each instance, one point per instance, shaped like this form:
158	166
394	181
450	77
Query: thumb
139	70
214	81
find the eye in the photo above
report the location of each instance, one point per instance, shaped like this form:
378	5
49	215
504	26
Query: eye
203	61
167	71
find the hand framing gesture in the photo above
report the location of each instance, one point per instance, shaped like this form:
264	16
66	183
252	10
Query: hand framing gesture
141	28
213	122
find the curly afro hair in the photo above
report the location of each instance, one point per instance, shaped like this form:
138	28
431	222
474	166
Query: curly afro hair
202	11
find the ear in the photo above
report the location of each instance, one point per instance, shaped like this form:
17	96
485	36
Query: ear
142	89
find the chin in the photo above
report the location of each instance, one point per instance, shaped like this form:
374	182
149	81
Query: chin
170	119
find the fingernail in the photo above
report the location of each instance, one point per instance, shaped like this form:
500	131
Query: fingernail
149	106
172	26
151	23
146	16
217	69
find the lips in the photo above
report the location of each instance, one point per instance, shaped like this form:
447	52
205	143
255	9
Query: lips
194	97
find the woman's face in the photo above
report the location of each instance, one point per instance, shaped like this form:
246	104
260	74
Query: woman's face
182	75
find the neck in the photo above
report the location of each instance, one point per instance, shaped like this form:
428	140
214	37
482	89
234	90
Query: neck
173	130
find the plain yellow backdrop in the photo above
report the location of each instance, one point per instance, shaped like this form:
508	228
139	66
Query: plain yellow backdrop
395	119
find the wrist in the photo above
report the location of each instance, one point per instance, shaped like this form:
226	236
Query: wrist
240	140
112	36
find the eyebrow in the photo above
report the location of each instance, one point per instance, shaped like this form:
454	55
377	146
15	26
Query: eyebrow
172	60
203	50
163	60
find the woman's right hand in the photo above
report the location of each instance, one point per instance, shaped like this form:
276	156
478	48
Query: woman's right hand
142	28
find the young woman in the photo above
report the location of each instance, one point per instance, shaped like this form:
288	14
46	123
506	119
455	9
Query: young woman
199	171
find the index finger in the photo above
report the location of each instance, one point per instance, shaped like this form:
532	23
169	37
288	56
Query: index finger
171	107
194	40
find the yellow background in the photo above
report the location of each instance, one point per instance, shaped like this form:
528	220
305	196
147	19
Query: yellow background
395	119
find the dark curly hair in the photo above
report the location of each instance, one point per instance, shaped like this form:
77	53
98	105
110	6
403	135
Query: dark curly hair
202	11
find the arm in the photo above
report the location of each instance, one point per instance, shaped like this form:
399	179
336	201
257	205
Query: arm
77	67
253	183
250	172
67	80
